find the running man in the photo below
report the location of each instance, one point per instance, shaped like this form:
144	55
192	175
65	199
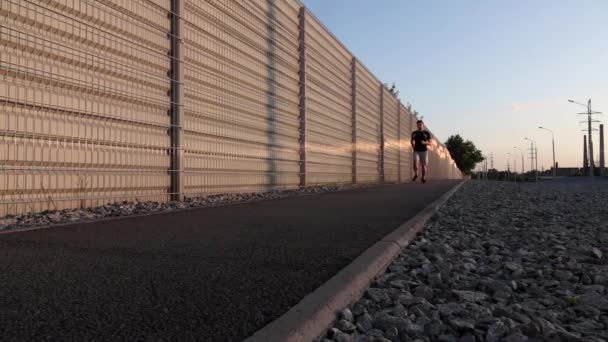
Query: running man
420	140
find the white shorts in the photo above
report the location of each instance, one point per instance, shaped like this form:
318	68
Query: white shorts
421	156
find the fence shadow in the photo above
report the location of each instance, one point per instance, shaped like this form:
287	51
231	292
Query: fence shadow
271	102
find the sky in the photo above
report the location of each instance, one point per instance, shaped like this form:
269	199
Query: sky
491	71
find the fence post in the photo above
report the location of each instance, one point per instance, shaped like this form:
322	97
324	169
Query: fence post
177	103
302	93
381	162
353	104
399	142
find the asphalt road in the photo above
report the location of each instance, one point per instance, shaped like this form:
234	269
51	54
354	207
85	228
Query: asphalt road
214	274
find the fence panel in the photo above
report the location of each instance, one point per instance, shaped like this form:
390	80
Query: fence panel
391	132
405	144
368	125
241	96
83	103
328	105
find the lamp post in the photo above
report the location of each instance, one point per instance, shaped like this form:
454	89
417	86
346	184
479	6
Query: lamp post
508	166
533	158
553	145
522	159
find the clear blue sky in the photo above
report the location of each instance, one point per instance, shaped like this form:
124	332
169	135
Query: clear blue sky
492	71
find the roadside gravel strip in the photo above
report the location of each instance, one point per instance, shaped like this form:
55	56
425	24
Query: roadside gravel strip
499	262
132	208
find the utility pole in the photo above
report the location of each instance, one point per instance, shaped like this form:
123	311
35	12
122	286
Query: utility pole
536	160
533	157
553	147
589	113
585	161
486	167
602	162
591	163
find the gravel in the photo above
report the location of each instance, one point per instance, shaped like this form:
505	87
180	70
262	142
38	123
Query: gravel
121	209
499	262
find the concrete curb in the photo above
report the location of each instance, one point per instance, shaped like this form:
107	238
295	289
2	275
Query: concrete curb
314	314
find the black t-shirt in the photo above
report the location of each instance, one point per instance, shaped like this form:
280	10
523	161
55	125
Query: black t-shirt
418	137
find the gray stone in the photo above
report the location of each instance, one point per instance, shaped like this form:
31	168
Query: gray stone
500	261
513	267
358	309
413	329
365	338
600	279
501	311
520	317
447	338
364	322
409	300
385	322
547	328
397	269
594	299
462	324
377	295
597	253
450	308
399	310
597	288
562	275
392	334
469	266
566	336
424	292
435	279
342	337
345	326
496	331
516	337
375	333
400	284
470	296
347	315
468	337
434	328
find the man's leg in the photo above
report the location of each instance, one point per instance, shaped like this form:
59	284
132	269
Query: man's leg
423	165
415	163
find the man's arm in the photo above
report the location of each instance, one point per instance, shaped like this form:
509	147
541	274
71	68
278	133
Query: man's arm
428	137
413	141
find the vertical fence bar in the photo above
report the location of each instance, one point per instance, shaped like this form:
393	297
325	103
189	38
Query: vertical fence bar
353	78
302	95
381	157
177	105
399	142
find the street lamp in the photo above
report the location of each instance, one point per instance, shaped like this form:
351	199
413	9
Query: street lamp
508	166
553	144
522	159
533	157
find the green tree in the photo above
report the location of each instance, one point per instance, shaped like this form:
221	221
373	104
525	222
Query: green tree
464	153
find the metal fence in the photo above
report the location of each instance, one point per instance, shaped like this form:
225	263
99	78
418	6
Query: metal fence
113	100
